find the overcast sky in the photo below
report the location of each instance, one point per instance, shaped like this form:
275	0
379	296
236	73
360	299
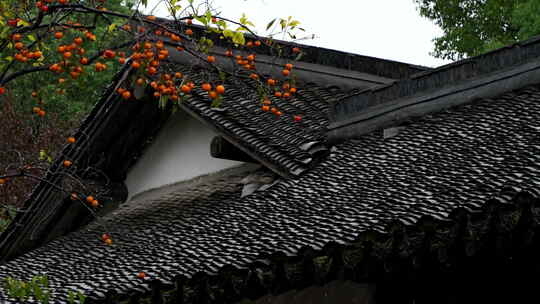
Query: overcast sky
390	29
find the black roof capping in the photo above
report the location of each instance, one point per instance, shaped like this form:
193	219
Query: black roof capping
447	207
323	56
485	75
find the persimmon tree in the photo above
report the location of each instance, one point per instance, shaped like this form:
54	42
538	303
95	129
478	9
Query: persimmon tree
59	47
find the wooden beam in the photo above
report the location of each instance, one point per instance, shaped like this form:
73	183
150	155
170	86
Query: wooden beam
221	148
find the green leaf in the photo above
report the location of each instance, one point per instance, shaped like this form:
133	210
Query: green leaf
228	33
294	23
4	33
112	27
269	25
45	281
82	297
175	8
217	102
222	76
163	101
22	23
239	38
201	20
12	212
243	19
283	23
31	38
71	297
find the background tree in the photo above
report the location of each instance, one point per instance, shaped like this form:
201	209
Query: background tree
71	104
473	27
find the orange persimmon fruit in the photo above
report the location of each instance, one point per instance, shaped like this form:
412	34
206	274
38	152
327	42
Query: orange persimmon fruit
220	89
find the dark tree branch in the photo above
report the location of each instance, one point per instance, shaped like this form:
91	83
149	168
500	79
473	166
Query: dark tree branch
14	75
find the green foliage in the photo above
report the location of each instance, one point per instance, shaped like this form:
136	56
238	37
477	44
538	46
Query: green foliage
74	296
37	287
526	17
81	94
286	27
7	214
78	99
473	27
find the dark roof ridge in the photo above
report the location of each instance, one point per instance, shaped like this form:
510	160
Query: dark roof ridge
445	75
333	58
485	76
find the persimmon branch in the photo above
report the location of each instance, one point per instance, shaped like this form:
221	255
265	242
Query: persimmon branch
91	59
85	9
82	9
53	24
14	75
23	173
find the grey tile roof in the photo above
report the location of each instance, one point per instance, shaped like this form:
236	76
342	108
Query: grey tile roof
465	158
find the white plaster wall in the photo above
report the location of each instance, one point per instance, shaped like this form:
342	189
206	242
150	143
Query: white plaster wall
180	152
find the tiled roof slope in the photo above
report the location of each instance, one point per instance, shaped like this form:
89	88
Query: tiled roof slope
469	158
286	146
